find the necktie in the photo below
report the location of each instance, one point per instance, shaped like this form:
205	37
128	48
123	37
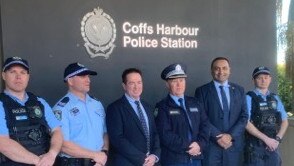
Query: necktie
225	108
186	117
144	125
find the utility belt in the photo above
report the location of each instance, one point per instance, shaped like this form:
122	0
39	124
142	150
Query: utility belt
64	161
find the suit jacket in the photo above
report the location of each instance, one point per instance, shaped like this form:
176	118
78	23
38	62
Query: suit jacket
238	117
126	135
173	129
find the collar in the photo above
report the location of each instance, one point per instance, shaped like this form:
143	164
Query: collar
15	98
76	98
176	98
225	84
258	92
130	99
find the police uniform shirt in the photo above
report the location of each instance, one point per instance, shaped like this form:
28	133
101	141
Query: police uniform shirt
280	106
176	99
49	116
82	122
226	88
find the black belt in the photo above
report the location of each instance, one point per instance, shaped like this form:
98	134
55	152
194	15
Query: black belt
64	161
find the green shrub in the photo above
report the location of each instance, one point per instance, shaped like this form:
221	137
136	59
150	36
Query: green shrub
285	90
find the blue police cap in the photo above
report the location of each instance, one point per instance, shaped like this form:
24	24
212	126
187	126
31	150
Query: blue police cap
260	70
75	69
174	71
11	61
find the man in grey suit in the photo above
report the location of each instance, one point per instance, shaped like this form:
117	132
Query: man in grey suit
225	106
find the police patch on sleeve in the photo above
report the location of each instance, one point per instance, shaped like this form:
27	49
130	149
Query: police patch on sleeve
63	102
155	112
58	114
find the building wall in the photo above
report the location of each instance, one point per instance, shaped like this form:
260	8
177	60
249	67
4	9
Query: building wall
48	35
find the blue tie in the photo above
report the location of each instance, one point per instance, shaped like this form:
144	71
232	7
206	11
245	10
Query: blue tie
144	125
225	108
186	117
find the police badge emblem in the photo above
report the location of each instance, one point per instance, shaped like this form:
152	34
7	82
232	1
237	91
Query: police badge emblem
38	112
99	33
58	114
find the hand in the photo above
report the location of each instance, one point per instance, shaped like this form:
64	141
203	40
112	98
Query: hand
150	160
47	159
271	143
225	140
100	158
194	149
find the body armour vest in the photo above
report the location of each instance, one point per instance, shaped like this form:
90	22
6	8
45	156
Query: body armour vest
27	124
264	114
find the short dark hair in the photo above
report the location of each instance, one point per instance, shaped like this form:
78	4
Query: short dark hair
217	59
128	71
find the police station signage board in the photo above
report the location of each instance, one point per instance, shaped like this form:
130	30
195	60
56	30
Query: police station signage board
110	36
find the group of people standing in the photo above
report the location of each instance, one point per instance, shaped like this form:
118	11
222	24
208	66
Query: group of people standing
219	126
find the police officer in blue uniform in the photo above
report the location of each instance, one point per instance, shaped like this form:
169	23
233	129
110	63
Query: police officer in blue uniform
29	132
83	121
181	122
267	123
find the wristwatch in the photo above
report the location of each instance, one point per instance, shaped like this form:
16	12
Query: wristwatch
105	151
279	139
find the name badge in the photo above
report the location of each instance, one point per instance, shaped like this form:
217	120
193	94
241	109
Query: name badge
23	117
195	109
174	112
74	111
262	104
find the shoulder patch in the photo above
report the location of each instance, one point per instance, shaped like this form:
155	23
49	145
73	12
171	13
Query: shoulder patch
63	102
155	113
58	114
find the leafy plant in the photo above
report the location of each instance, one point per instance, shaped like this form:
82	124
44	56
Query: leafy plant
285	89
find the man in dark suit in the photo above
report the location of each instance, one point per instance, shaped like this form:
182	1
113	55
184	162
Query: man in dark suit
181	122
130	124
225	105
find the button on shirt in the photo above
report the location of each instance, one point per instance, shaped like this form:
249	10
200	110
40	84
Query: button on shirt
83	122
49	116
280	106
134	106
226	88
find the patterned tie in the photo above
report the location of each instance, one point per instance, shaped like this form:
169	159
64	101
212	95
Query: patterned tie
144	125
186	117
225	108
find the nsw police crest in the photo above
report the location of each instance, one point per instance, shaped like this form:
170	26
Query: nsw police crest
99	33
37	112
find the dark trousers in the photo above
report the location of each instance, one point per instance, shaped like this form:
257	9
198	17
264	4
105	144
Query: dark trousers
260	156
64	161
191	163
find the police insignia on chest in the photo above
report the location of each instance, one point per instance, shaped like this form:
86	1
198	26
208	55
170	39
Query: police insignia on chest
273	104
38	112
35	112
75	111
